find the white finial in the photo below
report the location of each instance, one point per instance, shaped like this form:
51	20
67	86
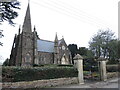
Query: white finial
19	26
28	1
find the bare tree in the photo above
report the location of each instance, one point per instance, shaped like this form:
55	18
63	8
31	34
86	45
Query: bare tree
100	43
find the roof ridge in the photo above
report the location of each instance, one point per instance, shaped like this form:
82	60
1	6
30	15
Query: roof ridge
46	40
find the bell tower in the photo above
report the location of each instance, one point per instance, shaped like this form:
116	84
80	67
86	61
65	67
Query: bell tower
27	40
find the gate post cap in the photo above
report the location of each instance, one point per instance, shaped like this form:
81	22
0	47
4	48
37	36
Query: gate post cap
78	56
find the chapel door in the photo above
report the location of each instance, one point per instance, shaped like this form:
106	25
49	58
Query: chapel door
64	60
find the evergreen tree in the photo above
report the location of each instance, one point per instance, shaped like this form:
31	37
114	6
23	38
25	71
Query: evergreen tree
7	11
73	48
1	35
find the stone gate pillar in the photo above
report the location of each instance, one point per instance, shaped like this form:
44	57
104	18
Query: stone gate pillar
78	63
102	68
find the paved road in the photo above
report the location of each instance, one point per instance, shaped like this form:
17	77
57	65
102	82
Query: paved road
111	83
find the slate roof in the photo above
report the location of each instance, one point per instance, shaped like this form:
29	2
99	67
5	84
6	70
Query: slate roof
45	46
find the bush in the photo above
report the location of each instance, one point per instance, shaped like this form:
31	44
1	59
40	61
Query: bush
15	74
112	68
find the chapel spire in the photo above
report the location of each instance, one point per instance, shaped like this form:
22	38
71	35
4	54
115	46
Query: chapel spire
56	50
56	38
27	20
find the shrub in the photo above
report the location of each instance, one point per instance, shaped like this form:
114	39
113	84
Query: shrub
15	74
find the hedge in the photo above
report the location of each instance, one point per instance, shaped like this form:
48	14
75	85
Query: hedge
112	68
15	74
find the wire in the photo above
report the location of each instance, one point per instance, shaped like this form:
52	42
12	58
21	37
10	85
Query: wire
68	11
78	11
64	13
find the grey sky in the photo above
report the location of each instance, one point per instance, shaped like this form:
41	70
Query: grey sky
76	20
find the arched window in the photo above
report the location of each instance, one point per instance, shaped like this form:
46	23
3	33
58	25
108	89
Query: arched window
27	58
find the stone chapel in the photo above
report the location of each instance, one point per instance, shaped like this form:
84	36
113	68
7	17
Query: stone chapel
28	49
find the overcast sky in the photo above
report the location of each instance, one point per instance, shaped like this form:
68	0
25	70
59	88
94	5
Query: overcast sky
76	20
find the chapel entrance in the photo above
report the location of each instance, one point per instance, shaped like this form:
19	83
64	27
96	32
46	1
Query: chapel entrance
64	60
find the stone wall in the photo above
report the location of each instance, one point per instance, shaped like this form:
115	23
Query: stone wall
112	74
41	83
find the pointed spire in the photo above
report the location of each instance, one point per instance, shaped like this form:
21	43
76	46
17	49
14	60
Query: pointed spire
19	29
28	1
27	21
62	37
34	28
56	38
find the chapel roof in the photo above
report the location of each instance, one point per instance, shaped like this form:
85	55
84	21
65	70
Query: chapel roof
45	45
